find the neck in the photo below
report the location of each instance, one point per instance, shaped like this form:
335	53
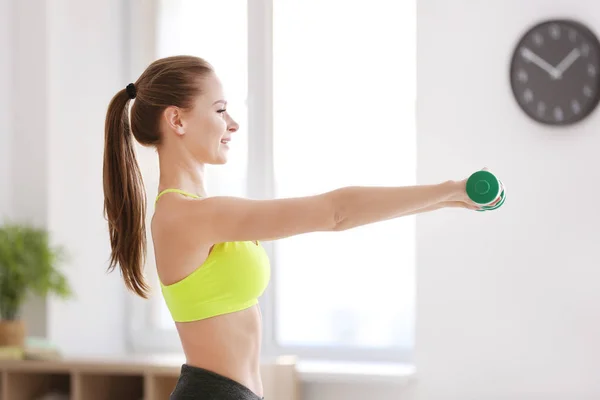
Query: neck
180	171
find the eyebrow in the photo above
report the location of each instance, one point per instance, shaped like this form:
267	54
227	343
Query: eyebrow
220	101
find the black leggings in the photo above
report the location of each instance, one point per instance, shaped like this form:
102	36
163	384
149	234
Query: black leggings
200	384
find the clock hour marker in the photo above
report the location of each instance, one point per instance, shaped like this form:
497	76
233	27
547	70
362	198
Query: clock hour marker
558	114
526	54
538	39
554	31
585	50
591	70
575	106
541	108
528	96
522	76
572	35
587	91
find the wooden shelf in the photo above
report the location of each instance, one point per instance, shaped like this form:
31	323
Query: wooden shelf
25	386
161	386
140	378
99	386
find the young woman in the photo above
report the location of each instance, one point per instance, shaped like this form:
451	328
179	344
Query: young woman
210	263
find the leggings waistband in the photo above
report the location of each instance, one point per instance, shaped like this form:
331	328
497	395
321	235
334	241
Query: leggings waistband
202	384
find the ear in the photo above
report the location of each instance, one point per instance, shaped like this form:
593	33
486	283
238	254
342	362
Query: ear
173	117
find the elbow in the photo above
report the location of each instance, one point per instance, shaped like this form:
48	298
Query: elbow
338	220
340	223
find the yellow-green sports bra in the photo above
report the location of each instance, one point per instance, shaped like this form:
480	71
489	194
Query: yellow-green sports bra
233	277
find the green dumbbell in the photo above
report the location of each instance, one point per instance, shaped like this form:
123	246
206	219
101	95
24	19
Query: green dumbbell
483	188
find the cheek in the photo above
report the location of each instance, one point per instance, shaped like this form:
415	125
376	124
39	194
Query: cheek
209	130
209	126
219	124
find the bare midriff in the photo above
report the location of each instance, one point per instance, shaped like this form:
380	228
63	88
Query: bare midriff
228	345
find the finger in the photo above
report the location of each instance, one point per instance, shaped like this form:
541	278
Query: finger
470	206
459	204
497	200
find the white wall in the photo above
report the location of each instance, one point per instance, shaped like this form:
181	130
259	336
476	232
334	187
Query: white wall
87	66
66	62
508	302
28	127
5	107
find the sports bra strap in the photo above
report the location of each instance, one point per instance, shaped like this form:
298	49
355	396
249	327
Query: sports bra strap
175	191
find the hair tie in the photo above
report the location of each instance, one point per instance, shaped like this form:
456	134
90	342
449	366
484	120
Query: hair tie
131	91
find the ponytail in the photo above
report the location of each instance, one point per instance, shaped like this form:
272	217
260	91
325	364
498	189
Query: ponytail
124	197
170	81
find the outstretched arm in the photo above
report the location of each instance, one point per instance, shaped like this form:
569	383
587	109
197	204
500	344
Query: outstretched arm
357	206
224	218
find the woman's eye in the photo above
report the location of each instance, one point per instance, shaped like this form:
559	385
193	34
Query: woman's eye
221	111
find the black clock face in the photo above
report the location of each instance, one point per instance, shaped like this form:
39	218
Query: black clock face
555	72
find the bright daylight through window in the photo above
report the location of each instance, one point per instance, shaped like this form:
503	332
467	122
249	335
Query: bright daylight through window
344	115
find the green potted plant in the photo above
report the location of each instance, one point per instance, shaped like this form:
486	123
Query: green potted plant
29	264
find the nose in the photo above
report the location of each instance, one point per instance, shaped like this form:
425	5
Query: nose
232	126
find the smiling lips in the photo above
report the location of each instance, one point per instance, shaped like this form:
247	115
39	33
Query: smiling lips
225	140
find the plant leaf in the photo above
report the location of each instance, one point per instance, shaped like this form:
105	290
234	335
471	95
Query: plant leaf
29	263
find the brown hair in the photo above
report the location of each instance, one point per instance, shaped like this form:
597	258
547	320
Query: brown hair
171	81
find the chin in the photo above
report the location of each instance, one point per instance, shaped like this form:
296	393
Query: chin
217	157
220	159
222	156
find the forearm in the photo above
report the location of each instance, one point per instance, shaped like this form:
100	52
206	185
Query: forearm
356	206
434	207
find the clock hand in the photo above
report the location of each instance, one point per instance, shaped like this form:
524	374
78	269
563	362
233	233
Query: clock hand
567	61
540	62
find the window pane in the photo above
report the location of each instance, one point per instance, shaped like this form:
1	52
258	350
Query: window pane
217	32
344	114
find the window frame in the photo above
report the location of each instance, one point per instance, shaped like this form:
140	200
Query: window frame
142	334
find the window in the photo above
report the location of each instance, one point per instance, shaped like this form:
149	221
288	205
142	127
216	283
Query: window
344	93
341	113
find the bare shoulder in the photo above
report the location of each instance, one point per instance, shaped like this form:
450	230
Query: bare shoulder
171	219
178	249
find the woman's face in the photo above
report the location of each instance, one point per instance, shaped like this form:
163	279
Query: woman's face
207	128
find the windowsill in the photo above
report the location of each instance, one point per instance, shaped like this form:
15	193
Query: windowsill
319	371
327	372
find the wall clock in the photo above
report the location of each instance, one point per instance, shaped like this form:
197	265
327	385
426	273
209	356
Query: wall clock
555	71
